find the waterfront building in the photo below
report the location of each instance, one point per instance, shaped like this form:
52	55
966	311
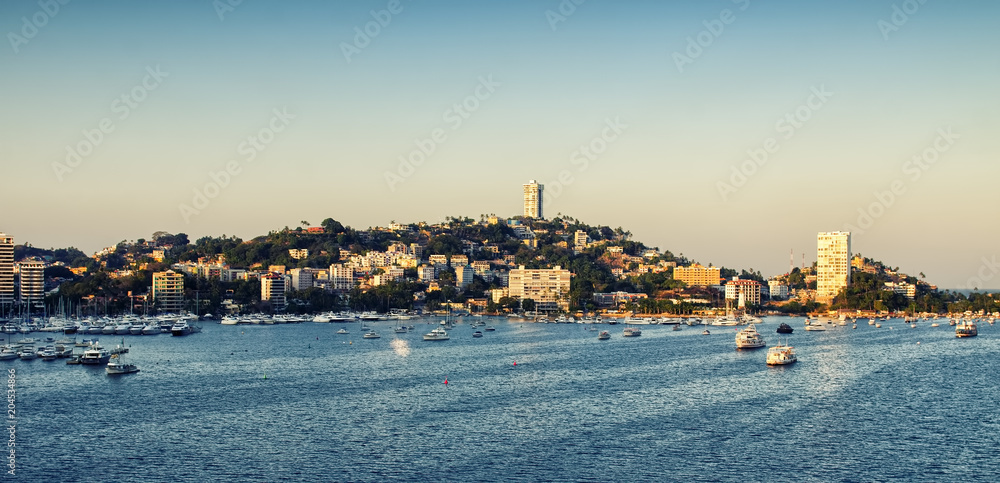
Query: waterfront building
302	278
548	288
31	278
744	291
833	269
697	275
272	289
341	277
533	199
614	299
6	269
168	291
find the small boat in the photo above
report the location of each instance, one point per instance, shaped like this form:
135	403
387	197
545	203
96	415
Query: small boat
342	331
437	334
116	367
400	330
815	328
631	332
676	327
784	329
477	334
604	335
705	332
781	355
855	326
749	338
28	354
935	324
8	354
47	354
371	334
966	328
181	328
489	328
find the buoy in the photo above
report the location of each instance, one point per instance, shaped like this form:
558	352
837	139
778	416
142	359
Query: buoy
446	381
265	376
515	363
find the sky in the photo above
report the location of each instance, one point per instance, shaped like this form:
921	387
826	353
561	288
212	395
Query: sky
730	131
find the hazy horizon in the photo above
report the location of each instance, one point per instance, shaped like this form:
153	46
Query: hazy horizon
832	100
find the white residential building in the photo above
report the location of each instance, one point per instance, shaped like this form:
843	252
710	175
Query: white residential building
833	264
533	199
426	273
341	277
6	269
547	287
743	291
31	275
463	276
778	290
272	289
302	278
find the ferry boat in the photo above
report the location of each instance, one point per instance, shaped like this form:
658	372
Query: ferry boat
437	334
781	355
749	338
966	328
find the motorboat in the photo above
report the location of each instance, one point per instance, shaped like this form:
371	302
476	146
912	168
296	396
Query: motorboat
812	328
477	334
342	331
604	335
371	334
27	353
781	355
400	330
109	329
749	338
181	328
438	333
490	328
966	328
631	332
784	329
48	354
95	356
705	332
8	353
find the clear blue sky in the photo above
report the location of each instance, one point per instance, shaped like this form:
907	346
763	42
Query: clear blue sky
891	89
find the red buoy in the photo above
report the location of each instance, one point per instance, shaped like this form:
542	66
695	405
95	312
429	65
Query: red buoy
446	381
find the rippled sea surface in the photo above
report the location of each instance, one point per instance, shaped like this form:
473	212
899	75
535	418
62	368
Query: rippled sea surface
529	402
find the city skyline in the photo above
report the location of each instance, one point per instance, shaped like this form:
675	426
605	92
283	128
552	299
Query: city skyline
729	131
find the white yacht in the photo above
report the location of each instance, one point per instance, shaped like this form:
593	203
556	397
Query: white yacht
749	338
631	332
437	334
181	328
371	334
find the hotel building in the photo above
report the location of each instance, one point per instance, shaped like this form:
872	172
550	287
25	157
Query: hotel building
744	291
6	269
533	200
168	291
31	275
697	275
272	289
547	287
833	264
